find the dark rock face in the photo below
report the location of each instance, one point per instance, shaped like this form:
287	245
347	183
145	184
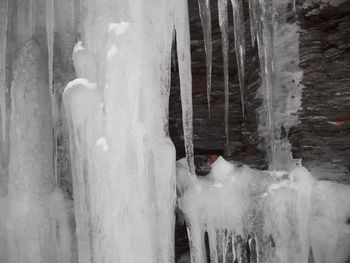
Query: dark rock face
209	134
322	139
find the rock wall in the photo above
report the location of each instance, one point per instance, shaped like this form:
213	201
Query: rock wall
209	133
321	139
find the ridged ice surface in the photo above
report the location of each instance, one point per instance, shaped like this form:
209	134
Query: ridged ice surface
34	220
124	160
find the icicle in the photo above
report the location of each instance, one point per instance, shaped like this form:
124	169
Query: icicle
3	39
223	20
239	27
205	15
184	60
254	19
50	46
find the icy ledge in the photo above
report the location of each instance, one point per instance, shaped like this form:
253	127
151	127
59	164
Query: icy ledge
282	217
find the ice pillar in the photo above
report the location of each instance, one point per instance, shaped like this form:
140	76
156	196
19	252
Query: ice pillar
124	160
33	221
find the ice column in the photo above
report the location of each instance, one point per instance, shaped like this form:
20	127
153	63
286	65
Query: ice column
124	160
34	221
184	59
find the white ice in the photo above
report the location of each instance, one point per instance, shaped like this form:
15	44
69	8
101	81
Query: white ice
284	216
124	160
34	219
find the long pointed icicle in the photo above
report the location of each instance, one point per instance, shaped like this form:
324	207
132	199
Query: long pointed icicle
223	21
3	40
205	15
50	23
183	43
239	30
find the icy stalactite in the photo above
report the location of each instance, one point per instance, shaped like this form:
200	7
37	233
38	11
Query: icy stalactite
239	29
3	88
34	219
223	21
183	44
272	212
205	15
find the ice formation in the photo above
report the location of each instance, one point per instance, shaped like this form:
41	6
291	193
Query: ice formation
50	23
183	42
205	15
124	160
281	76
265	15
278	217
34	222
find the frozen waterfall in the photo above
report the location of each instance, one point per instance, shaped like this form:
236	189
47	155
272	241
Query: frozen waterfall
84	96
